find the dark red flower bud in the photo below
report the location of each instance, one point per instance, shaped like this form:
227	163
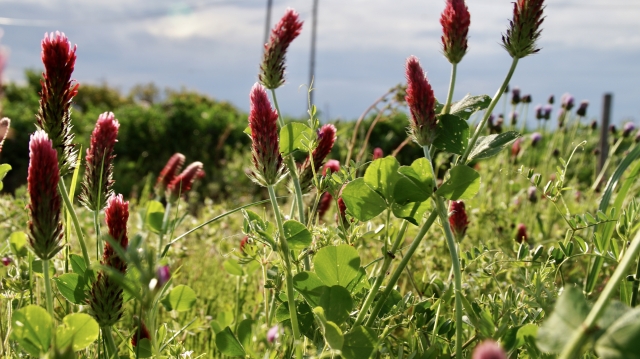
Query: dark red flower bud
458	219
582	109
243	243
521	233
524	29
141	333
455	20
326	139
489	349
331	166
168	173
6	261
45	226
268	168
5	123
97	185
342	212
182	183
324	204
272	66
421	102
58	90
377	153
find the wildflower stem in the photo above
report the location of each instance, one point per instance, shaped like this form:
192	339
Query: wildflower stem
293	172
266	293
388	257
47	287
285	253
96	225
76	224
573	348
487	112
452	85
636	284
401	266
107	336
165	222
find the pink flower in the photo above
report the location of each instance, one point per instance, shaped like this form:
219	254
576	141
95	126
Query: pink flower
263	122
45	226
272	66
6	261
458	219
489	349
98	176
5	123
455	22
326	139
524	29
421	103
182	183
168	173
521	233
377	153
273	333
163	274
331	166
516	147
58	90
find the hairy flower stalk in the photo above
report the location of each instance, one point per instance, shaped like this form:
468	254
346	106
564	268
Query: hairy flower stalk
421	102
326	139
268	168
97	185
272	65
168	173
524	29
58	90
5	123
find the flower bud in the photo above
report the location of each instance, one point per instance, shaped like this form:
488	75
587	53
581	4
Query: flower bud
539	112
551	100
521	233
272	66
455	20
532	194
168	173
458	219
141	332
547	112
273	333
268	168
594	125
535	138
97	185
555	153
582	109
377	153
163	274
627	129
5	123
515	96
526	99
331	166
6	261
567	102
524	29
421	102
613	130
182	183
45	207
514	117
489	349
326	139
58	90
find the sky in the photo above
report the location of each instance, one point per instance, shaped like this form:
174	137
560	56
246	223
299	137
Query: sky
589	47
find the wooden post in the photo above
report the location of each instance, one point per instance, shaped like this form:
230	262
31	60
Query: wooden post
604	130
267	26
312	57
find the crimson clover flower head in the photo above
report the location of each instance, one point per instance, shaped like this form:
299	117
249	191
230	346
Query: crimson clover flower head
97	185
331	166
421	102
458	219
516	147
268	167
116	215
141	333
377	153
521	233
272	66
326	139
45	207
489	349
168	173
324	204
5	123
58	90
182	183
582	108
455	20
341	216
524	29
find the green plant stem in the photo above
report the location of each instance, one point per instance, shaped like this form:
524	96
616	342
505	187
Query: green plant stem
96	225
580	336
47	287
285	253
403	263
165	223
487	112
293	171
266	293
381	274
76	224
452	85
107	336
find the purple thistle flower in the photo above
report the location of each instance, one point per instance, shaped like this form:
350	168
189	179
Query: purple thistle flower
524	29
535	138
514	117
163	274
455	20
526	98
421	102
567	101
515	96
539	112
627	129
551	100
272	66
547	112
582	109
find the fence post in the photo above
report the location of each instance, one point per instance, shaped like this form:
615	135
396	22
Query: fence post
604	130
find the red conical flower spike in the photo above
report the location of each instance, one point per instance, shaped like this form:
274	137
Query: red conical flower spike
521	233
421	102
45	207
272	66
105	298
98	176
458	219
182	183
268	168
455	22
326	139
524	29
168	173
5	123
58	90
